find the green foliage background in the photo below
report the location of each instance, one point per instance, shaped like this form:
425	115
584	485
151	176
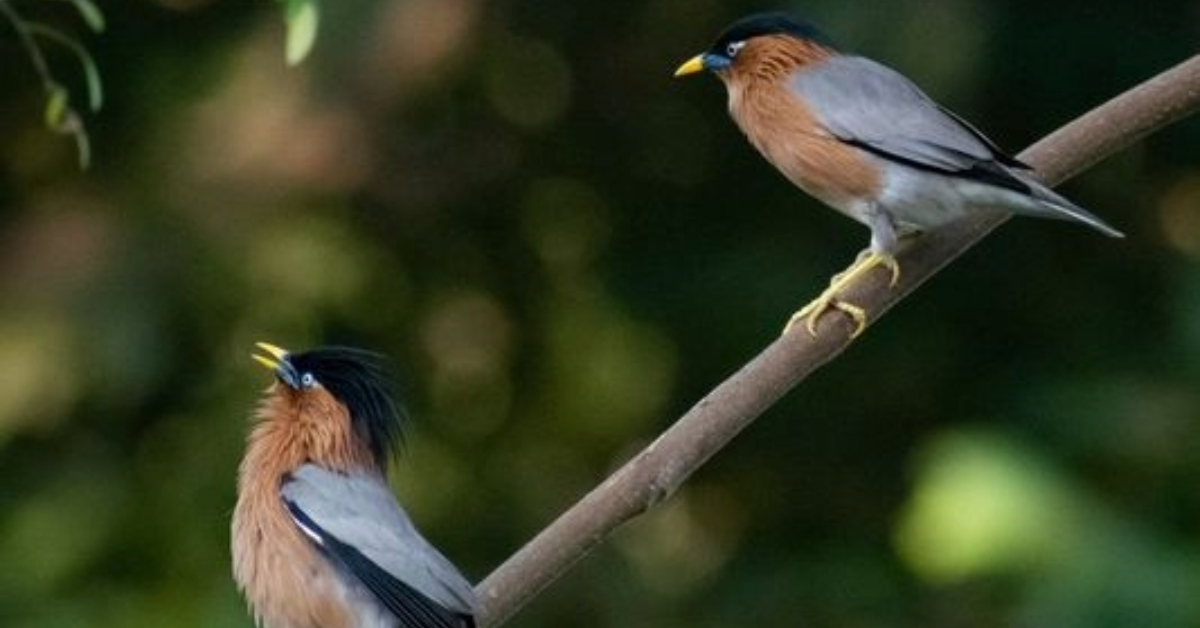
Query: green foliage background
563	248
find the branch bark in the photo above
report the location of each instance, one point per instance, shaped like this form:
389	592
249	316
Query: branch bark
656	472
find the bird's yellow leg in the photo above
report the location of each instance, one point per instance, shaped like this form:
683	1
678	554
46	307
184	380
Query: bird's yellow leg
829	298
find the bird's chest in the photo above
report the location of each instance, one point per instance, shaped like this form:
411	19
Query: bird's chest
789	136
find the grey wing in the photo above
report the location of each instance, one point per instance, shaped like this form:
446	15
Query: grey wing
871	106
867	104
356	520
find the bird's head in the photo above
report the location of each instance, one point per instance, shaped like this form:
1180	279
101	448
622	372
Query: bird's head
356	379
763	42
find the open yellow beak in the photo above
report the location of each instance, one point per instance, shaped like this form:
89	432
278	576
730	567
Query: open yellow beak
277	355
691	66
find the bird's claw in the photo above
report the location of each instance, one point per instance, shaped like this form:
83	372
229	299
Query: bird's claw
829	299
890	263
812	312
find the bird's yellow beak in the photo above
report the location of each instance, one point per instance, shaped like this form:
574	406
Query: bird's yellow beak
691	66
277	355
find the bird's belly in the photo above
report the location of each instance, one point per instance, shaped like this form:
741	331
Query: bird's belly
316	595
289	584
922	200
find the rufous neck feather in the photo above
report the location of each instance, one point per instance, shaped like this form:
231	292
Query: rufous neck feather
295	428
775	57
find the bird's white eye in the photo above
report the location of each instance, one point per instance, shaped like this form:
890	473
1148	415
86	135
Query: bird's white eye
307	380
733	48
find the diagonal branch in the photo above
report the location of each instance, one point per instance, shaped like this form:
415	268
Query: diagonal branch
656	472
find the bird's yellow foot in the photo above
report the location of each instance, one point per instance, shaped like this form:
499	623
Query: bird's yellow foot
869	259
822	304
829	298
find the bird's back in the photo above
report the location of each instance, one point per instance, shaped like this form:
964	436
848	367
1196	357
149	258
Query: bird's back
861	137
355	518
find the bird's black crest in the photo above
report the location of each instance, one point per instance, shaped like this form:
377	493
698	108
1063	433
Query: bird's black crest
360	380
776	23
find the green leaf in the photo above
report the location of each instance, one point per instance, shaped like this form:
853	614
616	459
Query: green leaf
55	114
302	20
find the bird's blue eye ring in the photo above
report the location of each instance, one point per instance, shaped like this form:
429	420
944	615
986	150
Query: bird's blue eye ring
733	48
307	380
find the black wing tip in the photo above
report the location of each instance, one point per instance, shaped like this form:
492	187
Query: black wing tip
998	153
988	172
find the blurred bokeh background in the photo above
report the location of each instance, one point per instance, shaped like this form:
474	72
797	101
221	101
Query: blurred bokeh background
563	248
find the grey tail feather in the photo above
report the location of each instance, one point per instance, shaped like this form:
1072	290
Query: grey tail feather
1055	206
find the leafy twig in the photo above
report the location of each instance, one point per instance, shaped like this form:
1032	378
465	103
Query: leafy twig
59	115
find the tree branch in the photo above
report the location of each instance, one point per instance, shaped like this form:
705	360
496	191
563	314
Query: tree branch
656	472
